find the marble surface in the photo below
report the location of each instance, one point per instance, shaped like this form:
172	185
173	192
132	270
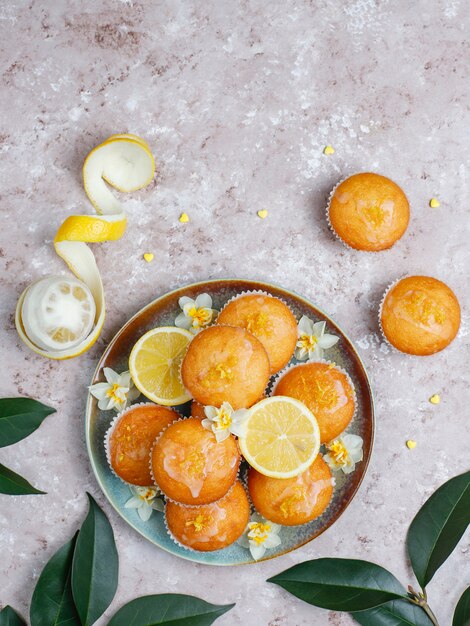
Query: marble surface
238	100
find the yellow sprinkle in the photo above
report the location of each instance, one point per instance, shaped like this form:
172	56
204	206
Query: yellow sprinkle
411	444
328	150
148	256
435	399
262	214
184	218
434	203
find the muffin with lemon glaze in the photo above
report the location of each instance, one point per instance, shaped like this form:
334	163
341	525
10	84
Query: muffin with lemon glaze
292	501
190	466
268	319
420	315
131	438
368	212
326	390
211	526
225	364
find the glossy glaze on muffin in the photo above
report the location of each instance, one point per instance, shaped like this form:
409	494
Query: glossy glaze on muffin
420	315
190	466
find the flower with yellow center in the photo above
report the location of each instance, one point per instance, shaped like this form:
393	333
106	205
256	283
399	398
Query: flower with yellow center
145	501
260	535
116	393
312	339
344	452
196	314
224	421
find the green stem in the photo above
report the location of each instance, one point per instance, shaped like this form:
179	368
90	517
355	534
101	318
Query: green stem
421	600
427	609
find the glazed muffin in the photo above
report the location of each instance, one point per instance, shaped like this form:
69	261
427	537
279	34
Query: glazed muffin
326	390
225	364
190	466
268	319
212	526
420	315
369	212
131	438
292	501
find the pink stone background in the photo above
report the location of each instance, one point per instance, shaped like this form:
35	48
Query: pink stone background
237	100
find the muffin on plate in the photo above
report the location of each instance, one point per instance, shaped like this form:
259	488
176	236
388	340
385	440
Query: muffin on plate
326	390
130	439
292	501
268	319
197	410
190	466
225	364
368	212
420	315
211	526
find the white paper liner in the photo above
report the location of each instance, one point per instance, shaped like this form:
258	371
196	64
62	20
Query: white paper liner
182	545
330	225
189	506
324	361
110	431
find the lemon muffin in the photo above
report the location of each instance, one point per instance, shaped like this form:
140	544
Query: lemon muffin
369	212
212	526
197	410
326	390
420	315
268	319
292	501
131	438
225	364
190	466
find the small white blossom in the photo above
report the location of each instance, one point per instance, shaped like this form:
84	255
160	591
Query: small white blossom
344	452
116	393
224	421
260	535
312	339
196	314
145	500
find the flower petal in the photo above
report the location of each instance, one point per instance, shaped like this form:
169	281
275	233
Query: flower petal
183	321
203	301
111	376
327	341
184	300
238	429
221	435
158	505
301	354
145	512
243	541
305	326
319	329
103	404
257	551
347	469
211	412
316	352
133	503
99	390
125	379
272	541
207	423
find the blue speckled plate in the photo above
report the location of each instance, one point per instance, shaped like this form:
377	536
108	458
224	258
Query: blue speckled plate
162	312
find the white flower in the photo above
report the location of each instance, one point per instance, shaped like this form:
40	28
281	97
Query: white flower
145	500
312	339
197	314
116	393
224	421
260	535
344	452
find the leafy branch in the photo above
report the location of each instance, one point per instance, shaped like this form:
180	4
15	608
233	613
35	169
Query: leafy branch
79	582
372	595
19	417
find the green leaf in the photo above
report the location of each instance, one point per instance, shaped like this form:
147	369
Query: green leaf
169	608
438	527
9	617
95	566
15	485
52	603
395	613
462	610
19	417
340	584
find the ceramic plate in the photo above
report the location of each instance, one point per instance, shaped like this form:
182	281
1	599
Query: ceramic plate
162	312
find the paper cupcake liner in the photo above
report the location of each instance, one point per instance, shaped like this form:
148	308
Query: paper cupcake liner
386	292
326	362
167	497
110	431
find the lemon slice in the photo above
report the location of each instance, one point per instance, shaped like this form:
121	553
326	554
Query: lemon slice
280	438
155	364
58	312
125	162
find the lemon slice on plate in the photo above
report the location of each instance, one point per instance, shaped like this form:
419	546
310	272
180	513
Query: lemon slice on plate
155	364
280	438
